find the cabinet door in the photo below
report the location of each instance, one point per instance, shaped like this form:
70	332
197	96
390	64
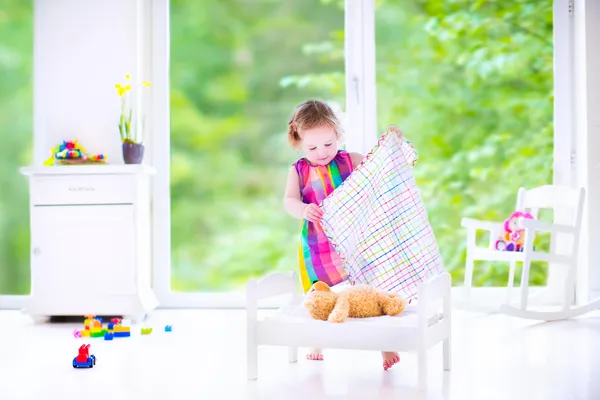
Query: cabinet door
85	250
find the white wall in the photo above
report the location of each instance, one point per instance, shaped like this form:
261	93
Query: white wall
82	49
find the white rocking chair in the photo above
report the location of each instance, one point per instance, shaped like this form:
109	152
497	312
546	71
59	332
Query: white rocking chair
560	199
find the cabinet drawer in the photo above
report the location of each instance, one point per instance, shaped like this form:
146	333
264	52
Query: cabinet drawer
83	189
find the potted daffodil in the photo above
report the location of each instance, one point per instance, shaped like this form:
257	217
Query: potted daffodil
130	129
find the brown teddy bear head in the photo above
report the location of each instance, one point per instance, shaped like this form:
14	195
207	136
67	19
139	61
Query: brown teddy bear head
320	286
320	301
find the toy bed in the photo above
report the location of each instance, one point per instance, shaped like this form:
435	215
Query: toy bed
418	328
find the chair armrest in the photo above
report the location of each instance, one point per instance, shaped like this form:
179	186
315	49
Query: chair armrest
544	226
430	292
482	225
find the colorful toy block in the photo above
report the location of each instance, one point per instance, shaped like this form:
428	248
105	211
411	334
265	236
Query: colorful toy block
93	327
146	331
97	332
92	322
168	328
121	331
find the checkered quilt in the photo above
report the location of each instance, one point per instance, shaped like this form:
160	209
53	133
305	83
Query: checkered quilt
378	224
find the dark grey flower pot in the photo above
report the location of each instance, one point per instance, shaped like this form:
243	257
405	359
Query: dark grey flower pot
133	153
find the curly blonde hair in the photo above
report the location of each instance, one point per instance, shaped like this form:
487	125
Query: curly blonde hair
312	114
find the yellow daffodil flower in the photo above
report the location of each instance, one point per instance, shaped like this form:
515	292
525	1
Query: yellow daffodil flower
126	118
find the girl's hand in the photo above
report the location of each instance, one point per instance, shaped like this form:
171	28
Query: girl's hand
313	213
395	129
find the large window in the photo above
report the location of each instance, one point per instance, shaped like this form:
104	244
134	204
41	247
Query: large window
16	135
237	69
471	83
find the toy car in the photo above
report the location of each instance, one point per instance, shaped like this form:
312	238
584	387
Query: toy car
84	359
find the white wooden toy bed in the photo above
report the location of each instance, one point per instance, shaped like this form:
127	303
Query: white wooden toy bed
418	328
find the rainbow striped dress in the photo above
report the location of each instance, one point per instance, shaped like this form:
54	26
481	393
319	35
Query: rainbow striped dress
317	257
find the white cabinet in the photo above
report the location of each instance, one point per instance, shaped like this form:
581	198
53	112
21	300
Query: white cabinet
90	241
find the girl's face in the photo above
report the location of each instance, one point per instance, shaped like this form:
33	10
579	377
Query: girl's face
320	144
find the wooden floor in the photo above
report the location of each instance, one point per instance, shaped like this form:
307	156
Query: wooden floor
494	357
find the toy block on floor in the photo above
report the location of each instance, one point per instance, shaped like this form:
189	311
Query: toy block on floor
146	331
121	331
97	332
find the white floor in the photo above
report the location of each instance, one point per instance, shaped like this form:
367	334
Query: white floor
494	357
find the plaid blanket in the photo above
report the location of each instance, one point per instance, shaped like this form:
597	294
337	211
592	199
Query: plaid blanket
378	224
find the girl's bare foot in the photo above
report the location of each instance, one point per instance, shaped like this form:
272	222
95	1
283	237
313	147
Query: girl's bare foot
315	354
389	359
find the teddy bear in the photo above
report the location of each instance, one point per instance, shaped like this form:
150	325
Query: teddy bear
358	301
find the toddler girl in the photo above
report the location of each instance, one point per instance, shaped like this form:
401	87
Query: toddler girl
315	130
